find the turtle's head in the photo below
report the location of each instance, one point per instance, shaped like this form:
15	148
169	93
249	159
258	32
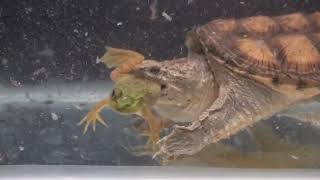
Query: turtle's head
131	94
187	86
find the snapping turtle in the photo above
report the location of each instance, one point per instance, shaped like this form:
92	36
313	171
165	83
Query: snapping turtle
238	72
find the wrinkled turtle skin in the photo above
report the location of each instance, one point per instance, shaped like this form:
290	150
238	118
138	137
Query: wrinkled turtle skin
237	72
247	69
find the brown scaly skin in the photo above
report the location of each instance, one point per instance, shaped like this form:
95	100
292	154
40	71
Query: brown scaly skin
238	102
216	101
243	57
225	83
187	87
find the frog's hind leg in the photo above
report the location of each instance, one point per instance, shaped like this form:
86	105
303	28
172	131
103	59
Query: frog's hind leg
122	60
154	124
93	116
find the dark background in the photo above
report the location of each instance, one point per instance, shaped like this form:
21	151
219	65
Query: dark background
60	40
77	31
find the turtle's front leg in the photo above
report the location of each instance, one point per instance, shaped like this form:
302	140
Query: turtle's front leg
191	139
233	110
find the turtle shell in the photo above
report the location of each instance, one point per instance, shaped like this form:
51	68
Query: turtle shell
284	48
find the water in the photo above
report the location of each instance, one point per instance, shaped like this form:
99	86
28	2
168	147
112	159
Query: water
267	148
49	79
39	127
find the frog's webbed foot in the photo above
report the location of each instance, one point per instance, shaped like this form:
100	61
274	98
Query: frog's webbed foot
93	116
122	60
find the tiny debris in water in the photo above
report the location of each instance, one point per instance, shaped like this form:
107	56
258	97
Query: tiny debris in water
2	157
54	116
153	9
119	24
39	71
166	16
21	148
79	106
46	52
4	61
14	82
294	157
190	1
97	60
28	10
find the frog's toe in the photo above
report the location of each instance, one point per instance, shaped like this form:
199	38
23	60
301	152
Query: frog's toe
91	119
101	121
153	138
94	116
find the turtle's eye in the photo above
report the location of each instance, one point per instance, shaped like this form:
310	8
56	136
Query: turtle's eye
163	86
116	93
154	70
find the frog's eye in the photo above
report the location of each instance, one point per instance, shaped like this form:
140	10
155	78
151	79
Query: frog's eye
116	93
113	94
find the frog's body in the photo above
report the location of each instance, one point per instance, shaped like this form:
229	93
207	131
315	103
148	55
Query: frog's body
237	73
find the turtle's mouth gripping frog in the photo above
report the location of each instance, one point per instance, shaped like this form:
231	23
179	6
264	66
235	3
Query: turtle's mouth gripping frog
164	95
238	72
130	95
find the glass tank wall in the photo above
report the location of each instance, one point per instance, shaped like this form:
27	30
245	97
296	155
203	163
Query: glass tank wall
50	78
